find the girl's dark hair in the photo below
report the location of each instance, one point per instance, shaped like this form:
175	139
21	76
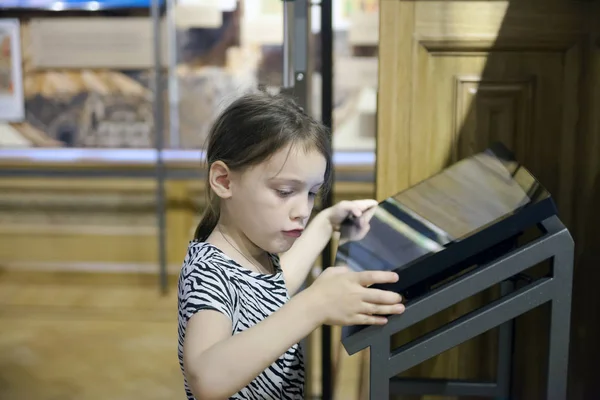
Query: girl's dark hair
249	131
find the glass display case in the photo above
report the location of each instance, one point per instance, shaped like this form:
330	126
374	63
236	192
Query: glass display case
80	105
91	72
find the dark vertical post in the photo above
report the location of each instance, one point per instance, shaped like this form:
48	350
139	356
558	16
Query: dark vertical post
327	117
296	83
379	379
505	349
560	322
159	143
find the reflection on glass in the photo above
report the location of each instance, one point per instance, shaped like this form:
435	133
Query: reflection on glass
446	208
214	59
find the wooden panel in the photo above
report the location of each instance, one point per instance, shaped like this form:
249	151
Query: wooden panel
392	150
74	221
488	111
456	75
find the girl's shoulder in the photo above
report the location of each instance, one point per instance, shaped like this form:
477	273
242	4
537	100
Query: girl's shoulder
206	255
202	253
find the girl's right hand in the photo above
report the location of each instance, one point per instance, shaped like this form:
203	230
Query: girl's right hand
343	297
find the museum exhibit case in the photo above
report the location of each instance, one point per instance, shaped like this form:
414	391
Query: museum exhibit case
93	113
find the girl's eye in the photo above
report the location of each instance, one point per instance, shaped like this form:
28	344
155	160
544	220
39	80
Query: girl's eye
312	194
284	193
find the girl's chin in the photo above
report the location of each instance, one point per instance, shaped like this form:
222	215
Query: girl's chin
281	246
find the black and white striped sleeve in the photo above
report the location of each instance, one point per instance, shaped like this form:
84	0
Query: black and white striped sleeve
205	286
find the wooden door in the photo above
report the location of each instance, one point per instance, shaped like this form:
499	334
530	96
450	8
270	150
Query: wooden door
454	75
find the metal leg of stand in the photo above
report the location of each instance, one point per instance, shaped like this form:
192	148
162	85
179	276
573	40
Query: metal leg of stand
379	381
505	349
560	319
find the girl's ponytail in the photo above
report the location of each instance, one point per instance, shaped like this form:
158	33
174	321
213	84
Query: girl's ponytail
210	218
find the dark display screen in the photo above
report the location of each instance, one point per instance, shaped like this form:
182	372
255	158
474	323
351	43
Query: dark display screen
444	209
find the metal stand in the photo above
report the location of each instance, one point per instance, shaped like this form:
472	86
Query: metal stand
327	118
296	49
297	82
555	244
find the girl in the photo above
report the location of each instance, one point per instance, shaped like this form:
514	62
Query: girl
239	330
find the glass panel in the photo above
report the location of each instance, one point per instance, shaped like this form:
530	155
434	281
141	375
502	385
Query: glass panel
103	103
86	82
214	65
356	27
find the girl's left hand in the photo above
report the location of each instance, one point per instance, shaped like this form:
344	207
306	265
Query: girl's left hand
363	211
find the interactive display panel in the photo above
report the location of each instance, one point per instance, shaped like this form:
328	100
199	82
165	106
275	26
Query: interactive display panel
478	196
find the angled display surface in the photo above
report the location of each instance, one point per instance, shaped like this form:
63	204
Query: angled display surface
438	227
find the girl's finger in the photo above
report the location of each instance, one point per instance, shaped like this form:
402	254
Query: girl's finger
368	214
365	204
379	296
367	319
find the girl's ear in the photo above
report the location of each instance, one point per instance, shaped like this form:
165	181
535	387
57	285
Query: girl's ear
219	179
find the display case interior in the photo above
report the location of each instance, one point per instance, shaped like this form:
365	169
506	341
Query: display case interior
89	80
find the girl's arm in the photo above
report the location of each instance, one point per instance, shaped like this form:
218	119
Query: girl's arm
219	365
299	260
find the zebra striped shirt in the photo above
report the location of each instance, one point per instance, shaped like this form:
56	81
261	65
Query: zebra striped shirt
210	280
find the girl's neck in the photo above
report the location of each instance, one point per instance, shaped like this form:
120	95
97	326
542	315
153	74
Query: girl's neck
237	246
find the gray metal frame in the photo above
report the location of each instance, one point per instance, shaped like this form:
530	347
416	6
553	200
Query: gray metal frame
297	77
555	244
159	143
296	49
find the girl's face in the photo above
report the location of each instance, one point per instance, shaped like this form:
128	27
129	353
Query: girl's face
269	204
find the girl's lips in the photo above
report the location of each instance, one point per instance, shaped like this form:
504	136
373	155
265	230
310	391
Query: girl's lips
295	233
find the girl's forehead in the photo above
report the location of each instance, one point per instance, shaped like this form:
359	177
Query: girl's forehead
296	162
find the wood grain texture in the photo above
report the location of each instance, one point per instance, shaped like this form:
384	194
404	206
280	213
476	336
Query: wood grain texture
395	88
526	73
73	221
